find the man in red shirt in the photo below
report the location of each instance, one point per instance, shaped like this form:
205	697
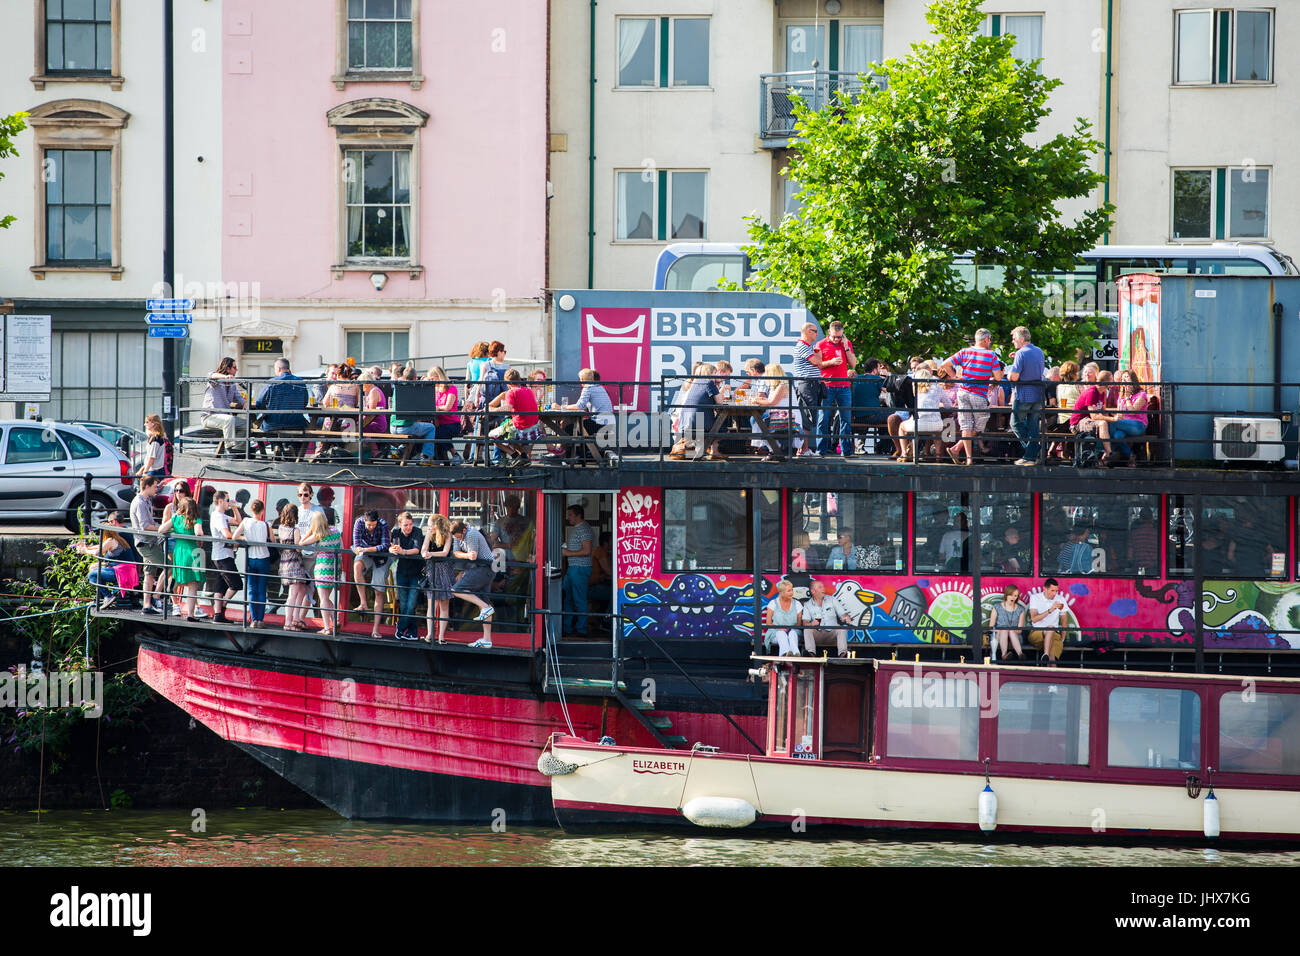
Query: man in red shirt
835	358
525	426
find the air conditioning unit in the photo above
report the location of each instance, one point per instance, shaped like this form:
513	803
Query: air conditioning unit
1248	439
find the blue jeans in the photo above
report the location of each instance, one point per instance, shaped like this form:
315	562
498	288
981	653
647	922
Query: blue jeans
575	599
1026	420
841	399
107	576
1125	428
408	596
443	435
420	430
257	570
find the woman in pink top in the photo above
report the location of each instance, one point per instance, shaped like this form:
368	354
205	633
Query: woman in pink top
1132	418
526	427
374	399
446	424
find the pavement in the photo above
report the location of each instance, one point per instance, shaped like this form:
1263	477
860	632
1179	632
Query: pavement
33	529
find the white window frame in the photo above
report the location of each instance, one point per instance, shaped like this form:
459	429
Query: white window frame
662	82
343	75
987	27
388	330
1227	205
1214	202
1216	40
654	204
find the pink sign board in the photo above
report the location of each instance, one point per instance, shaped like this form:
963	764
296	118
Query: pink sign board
639	519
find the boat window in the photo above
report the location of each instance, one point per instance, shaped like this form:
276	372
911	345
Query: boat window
711	529
1099	535
780	716
934	716
420	502
1007	533
1238	537
838	531
508	521
1231	267
329	498
941	537
1154	727
1259	733
1043	723
805	696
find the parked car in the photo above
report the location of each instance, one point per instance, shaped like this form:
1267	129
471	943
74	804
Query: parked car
43	465
130	441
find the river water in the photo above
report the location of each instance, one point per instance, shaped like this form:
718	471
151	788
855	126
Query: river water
320	838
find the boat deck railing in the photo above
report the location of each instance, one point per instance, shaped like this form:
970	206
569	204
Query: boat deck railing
661	420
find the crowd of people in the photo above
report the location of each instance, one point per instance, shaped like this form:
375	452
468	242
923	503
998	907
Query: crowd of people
499	408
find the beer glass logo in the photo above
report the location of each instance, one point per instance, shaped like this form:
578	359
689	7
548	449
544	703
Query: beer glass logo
617	342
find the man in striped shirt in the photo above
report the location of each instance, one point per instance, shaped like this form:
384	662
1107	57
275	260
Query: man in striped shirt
808	386
979	365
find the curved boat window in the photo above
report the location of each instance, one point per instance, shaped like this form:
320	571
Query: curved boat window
933	716
1100	535
1260	734
941	534
1007	533
1154	727
1043	723
711	529
837	531
779	716
1238	537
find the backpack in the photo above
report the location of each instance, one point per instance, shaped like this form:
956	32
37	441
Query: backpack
494	381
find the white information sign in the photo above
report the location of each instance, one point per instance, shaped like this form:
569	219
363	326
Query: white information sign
25	373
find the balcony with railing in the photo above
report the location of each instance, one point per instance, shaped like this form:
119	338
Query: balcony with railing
816	88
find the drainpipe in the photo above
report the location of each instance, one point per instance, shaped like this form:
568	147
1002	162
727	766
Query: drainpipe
1110	10
591	157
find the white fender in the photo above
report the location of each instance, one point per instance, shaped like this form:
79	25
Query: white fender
728	812
1210	817
988	809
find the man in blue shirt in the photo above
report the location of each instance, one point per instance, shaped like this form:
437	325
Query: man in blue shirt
1027	371
285	391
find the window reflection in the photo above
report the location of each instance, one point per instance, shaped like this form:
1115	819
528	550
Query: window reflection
942	533
837	531
1100	535
1237	537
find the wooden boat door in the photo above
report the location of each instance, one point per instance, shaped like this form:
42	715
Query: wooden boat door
846	713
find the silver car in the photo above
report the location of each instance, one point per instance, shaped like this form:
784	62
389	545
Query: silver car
43	465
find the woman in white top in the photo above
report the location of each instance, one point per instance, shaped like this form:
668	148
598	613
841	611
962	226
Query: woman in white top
256	531
930	398
784	620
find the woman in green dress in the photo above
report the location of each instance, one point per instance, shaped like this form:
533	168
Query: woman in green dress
327	567
188	557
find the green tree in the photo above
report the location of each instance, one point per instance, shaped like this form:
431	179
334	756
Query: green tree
10	126
896	183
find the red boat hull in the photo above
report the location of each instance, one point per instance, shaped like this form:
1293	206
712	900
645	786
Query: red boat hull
384	751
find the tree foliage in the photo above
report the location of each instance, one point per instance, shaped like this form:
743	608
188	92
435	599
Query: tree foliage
896	183
10	126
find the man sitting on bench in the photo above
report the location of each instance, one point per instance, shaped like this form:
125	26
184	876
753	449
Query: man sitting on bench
285	391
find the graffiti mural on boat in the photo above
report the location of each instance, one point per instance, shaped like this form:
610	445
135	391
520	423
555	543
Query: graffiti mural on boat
937	610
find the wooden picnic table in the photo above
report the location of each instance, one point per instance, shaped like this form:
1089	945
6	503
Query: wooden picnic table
725	412
567	423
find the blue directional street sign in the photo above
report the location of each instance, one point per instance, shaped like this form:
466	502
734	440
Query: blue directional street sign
169	318
168	331
168	305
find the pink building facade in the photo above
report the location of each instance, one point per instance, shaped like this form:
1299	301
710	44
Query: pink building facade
383	180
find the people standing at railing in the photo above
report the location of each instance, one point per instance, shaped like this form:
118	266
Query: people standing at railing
155	460
979	365
475	580
837	362
405	548
292	572
219	397
809	389
325	571
436	551
149	544
223	557
1027	371
370	563
1131	419
373	399
254	530
187	558
179	491
286	392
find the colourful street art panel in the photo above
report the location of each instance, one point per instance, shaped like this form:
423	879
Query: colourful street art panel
639	521
932	610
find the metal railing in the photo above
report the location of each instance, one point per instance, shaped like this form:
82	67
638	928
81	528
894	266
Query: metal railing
816	88
676	418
